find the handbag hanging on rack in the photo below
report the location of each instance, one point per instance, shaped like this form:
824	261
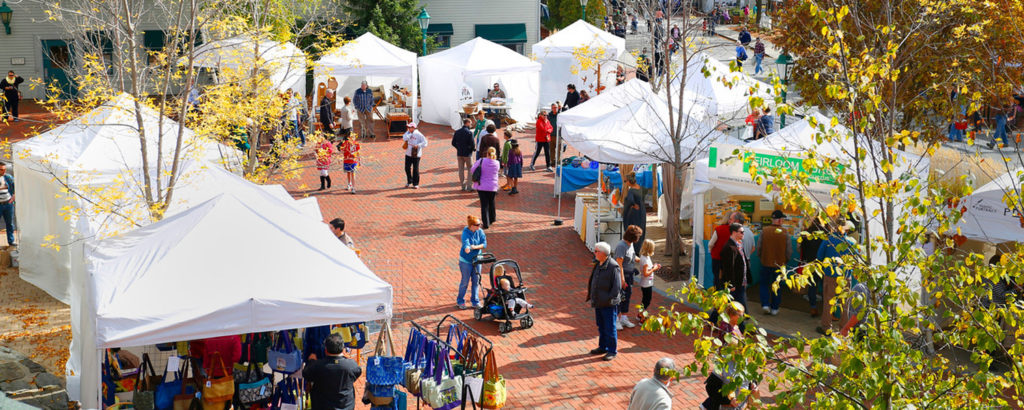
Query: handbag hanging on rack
494	394
427	384
286	395
474	382
383	370
415	360
254	387
284	357
143	396
217	390
449	389
186	398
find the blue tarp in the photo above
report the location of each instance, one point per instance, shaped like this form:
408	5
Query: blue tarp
578	178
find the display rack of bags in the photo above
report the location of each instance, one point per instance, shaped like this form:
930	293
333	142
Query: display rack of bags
444	368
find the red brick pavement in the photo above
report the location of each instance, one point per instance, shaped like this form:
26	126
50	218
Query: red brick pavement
410	238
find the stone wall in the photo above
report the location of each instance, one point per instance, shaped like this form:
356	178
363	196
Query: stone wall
25	381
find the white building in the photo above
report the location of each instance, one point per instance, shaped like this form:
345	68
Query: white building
512	23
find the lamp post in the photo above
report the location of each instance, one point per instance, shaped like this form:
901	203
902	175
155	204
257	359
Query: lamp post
583	4
5	16
424	19
784	61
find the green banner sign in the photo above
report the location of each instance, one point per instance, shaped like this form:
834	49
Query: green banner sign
767	163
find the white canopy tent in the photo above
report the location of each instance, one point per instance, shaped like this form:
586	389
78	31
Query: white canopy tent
199	183
99	155
630	125
479	64
284	62
369	58
556	55
987	218
205	273
723	174
711	84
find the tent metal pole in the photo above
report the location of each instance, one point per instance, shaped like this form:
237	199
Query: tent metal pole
561	172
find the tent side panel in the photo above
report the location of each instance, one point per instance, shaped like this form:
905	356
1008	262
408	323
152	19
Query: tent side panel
38	205
440	86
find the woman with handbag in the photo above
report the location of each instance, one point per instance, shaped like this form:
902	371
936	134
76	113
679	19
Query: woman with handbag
473	241
485	181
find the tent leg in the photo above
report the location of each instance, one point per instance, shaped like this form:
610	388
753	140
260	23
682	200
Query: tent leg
558	185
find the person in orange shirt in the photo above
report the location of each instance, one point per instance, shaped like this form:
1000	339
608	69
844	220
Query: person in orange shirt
350	149
324	157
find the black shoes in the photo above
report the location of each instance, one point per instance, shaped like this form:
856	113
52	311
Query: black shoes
598	351
609	357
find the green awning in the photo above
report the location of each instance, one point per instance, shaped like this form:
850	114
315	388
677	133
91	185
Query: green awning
502	33
442	29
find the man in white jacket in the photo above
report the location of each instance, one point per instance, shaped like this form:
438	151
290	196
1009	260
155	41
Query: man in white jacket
652	393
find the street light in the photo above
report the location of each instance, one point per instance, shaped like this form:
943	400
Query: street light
784	61
5	16
424	19
583	4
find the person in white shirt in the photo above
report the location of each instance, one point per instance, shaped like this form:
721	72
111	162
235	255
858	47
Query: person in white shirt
415	143
347	112
652	393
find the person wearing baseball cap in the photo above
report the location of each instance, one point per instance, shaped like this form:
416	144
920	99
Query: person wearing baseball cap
774	249
415	142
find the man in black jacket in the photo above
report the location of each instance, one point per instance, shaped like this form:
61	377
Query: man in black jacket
327	112
735	265
331	379
553	119
603	293
463	143
572	97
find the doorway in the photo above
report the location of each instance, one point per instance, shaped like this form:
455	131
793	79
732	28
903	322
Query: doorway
57	63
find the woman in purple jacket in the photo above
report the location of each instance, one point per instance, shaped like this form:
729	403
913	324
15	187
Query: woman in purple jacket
487	186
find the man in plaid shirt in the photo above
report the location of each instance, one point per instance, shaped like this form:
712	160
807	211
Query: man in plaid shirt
363	101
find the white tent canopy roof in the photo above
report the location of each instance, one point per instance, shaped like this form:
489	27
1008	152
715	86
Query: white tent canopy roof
369	55
144	283
721	91
579	34
477	64
285	62
556	53
369	58
106	140
987	218
629	125
99	149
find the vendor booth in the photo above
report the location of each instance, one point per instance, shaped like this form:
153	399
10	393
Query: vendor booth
99	150
477	65
380	64
986	217
722	183
206	273
557	55
720	91
626	125
284	62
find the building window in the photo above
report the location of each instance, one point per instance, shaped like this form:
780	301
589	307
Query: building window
153	41
442	34
517	47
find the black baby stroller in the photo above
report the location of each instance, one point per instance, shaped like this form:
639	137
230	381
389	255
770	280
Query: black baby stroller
495	304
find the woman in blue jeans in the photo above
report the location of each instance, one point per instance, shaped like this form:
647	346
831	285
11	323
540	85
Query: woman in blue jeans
473	240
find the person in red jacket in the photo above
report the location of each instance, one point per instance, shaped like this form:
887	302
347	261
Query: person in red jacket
718	241
543	137
229	348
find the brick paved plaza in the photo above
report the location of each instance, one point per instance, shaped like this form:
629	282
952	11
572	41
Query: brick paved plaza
410	239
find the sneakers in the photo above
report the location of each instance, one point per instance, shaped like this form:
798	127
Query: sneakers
775	312
415	187
551	170
408	185
460	307
766	309
618	325
624	321
598	351
352	189
532	168
609	357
